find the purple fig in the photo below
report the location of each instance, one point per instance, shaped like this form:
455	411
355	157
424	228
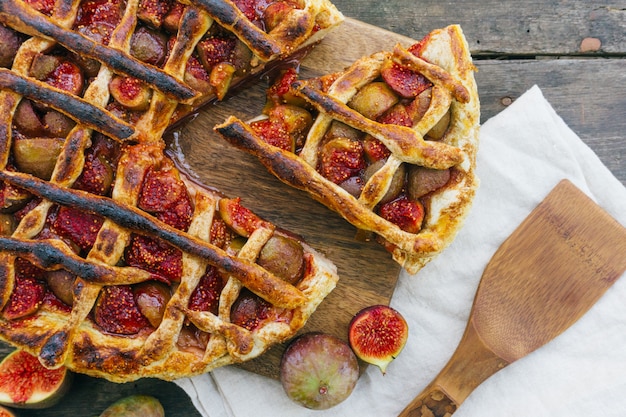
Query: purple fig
318	370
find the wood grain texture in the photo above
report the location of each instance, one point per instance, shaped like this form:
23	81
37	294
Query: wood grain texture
530	28
588	92
541	280
519	44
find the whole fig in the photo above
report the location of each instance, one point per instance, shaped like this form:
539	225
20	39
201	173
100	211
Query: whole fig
318	370
135	406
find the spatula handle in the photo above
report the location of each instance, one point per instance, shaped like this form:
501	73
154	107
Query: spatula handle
469	366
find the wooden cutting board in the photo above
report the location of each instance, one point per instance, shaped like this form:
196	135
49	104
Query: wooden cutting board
367	273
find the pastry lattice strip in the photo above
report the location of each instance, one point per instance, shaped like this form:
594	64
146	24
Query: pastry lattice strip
445	62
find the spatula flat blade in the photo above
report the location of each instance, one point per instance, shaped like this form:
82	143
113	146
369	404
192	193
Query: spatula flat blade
548	273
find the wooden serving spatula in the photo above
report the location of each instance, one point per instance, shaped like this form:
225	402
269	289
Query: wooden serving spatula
543	278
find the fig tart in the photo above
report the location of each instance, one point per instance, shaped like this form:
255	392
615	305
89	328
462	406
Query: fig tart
389	143
113	262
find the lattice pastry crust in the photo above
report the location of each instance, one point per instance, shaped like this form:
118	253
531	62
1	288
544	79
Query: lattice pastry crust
113	262
392	147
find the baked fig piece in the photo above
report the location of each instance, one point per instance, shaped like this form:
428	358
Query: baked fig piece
114	262
391	146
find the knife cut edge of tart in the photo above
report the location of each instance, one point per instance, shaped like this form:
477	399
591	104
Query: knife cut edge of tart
441	68
168	278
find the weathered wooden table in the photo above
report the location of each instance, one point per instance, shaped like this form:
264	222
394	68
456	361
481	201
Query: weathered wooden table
575	51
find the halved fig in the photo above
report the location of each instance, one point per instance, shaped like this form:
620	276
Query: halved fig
149	46
26	119
26	298
402	80
340	159
192	340
407	214
422	180
37	156
220	78
377	335
153	12
116	311
25	383
206	295
373	100
276	12
57	124
152	298
249	310
5	412
338	129
7	224
67	77
130	92
10	41
284	257
212	51
318	371
238	217
61	283
171	21
297	120
197	76
12	198
43	65
135	406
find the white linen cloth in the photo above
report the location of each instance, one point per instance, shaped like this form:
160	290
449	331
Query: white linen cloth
524	152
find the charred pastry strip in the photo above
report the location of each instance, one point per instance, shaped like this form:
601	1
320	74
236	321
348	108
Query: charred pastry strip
229	16
405	143
26	20
51	254
257	279
433	72
72	106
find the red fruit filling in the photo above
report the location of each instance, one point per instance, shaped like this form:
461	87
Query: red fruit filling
405	213
164	261
79	226
22	373
116	311
206	295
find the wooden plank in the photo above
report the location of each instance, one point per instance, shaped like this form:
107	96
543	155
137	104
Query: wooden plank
589	94
503	27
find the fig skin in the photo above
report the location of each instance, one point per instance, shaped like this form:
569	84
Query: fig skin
377	335
37	156
25	383
318	370
373	100
135	406
284	257
5	412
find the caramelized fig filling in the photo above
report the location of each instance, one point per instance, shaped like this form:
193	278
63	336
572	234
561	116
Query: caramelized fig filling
350	158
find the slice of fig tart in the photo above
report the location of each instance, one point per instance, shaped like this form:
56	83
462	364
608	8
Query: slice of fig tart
389	143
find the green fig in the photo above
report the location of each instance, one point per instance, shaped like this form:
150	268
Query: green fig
135	406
